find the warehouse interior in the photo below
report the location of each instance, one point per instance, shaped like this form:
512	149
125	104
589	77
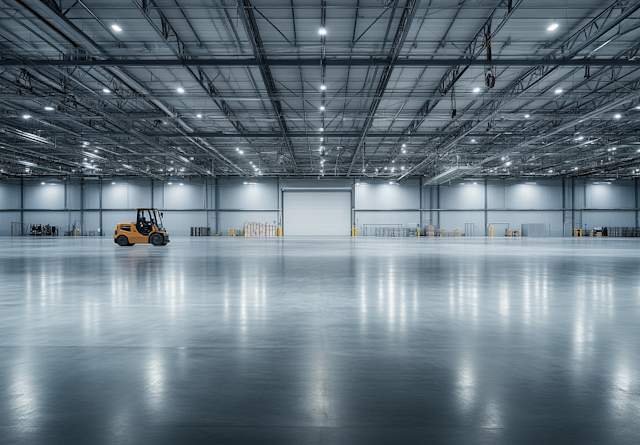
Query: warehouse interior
383	220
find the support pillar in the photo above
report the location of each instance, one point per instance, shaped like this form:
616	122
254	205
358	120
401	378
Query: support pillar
438	206
486	213
21	202
81	206
637	204
100	200
216	194
421	204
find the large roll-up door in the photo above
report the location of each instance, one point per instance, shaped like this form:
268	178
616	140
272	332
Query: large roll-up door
317	212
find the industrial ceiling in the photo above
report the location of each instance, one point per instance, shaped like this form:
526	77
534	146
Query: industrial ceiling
299	88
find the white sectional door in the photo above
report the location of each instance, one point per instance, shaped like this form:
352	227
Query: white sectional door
317	213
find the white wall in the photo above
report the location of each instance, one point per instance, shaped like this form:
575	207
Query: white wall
449	206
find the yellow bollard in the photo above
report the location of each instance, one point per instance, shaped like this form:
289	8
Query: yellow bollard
418	232
491	231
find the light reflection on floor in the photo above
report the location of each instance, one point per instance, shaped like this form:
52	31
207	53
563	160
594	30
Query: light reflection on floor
327	340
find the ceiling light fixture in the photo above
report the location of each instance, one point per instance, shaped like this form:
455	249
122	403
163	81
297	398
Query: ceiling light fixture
198	116
116	28
26	116
323	87
106	90
559	90
322	31
48	108
476	90
180	90
321	108
526	116
617	116
553	27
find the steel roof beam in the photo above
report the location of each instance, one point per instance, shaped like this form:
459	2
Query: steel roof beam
605	22
245	11
418	62
406	19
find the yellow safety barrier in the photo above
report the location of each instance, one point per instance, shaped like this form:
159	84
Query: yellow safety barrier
418	232
440	232
354	231
513	233
459	232
577	232
279	231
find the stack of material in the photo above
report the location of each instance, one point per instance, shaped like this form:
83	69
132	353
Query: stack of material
431	231
200	231
259	229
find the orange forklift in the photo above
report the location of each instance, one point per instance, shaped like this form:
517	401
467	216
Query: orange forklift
147	230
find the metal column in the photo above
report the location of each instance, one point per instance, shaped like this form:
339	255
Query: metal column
637	203
438	206
486	216
81	205
421	203
100	200
216	194
21	203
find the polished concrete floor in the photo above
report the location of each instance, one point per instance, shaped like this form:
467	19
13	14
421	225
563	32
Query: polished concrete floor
320	341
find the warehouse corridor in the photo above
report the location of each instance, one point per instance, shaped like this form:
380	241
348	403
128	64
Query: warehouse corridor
326	340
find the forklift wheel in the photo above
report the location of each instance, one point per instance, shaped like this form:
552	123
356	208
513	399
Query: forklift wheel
123	241
156	239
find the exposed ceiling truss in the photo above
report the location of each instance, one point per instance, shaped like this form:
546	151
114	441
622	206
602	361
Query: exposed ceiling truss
390	89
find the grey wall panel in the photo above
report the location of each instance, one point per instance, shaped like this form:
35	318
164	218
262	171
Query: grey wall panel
236	220
179	223
47	196
110	218
211	193
158	194
58	219
255	194
91	195
73	195
617	195
10	194
115	196
609	218
496	195
457	220
190	195
317	213
426	197
540	195
385	196
579	198
138	193
92	222
373	219
6	218
515	219
462	195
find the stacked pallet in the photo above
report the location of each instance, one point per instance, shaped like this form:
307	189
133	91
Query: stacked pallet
259	229
200	231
